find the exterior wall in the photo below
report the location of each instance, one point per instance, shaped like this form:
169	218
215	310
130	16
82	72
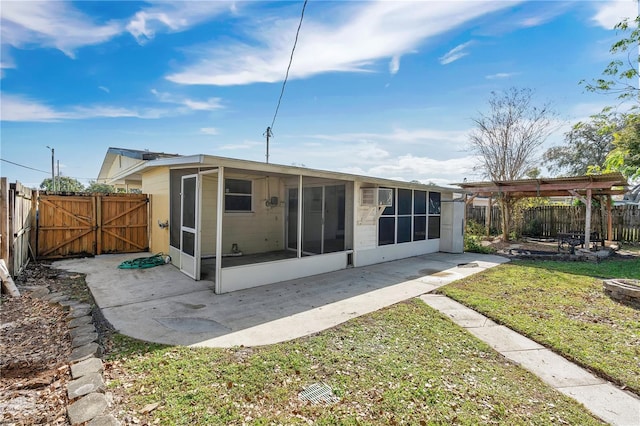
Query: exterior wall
394	252
208	209
262	230
365	223
366	249
155	183
248	276
451	225
122	163
258	231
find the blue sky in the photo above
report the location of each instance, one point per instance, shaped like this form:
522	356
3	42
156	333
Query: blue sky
383	88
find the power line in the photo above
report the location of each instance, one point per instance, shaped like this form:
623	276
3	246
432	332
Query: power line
20	165
43	171
284	83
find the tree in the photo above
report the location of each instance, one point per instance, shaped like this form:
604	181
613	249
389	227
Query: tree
625	156
586	146
621	76
63	184
506	140
102	188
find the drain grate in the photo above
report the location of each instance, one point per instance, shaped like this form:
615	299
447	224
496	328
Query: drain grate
318	392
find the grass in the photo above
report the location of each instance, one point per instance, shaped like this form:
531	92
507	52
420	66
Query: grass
562	306
406	364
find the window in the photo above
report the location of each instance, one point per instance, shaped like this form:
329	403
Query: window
405	202
237	195
419	215
433	230
387	224
414	216
434	203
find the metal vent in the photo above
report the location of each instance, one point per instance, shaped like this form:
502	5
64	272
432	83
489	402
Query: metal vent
318	392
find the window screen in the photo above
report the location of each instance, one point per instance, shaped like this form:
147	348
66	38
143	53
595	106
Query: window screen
237	195
434	203
386	230
434	227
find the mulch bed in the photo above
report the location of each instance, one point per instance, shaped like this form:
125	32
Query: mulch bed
34	350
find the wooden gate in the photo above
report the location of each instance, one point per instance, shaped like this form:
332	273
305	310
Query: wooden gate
123	224
86	225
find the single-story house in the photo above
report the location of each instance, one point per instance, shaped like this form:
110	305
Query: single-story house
244	224
119	161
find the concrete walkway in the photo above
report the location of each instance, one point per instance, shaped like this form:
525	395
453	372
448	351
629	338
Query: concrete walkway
602	398
165	306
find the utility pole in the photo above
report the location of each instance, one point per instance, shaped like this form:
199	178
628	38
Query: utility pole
268	134
53	173
58	177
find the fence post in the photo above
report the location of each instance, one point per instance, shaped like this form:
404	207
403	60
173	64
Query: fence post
98	222
5	238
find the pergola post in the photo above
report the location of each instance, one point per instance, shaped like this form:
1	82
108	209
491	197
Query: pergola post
587	220
488	216
609	220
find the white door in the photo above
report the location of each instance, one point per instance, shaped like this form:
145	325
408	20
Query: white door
189	223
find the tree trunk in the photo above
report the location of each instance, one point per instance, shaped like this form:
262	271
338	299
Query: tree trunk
506	217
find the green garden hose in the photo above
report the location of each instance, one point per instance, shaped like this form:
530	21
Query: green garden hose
145	262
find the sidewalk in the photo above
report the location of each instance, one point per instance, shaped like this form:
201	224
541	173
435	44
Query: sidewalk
600	397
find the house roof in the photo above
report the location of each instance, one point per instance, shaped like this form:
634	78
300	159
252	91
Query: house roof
142	155
204	161
605	184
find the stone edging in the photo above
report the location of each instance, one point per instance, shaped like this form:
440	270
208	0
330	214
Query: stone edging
86	392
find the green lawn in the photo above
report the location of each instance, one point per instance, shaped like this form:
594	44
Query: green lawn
562	306
406	364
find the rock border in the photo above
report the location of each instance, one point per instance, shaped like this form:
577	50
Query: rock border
623	290
86	392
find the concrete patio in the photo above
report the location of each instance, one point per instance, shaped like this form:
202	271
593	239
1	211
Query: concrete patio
165	306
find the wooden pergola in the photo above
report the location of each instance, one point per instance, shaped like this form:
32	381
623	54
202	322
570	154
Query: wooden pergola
582	187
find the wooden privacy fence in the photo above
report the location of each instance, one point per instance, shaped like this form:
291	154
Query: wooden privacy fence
17	219
548	221
91	224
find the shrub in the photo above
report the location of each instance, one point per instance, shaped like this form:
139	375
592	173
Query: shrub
472	244
475	228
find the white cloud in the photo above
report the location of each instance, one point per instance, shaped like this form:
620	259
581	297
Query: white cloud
425	168
174	17
609	13
52	24
206	105
104	89
59	25
455	53
17	108
394	65
546	12
6	60
500	75
20	108
415	136
209	131
406	154
363	34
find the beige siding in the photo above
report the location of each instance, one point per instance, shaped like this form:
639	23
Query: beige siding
263	229
208	216
121	164
155	183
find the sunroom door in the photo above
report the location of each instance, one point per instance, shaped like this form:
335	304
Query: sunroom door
189	222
